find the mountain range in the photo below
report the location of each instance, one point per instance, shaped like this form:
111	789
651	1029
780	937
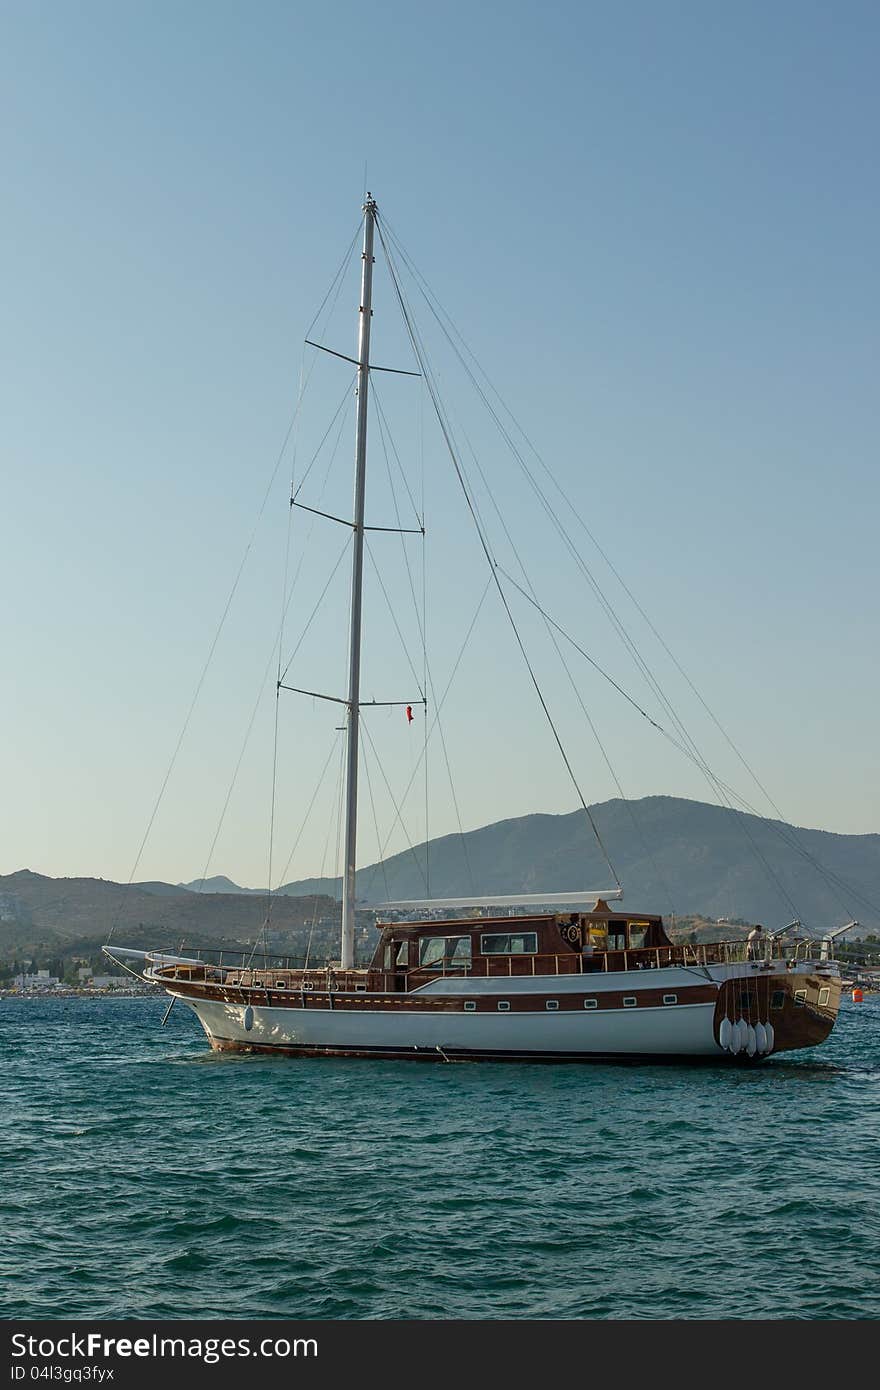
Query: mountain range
669	853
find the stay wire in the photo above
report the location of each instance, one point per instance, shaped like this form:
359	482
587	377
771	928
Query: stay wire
393	800
275	645
346	396
336	282
397	628
831	879
729	793
335	802
437	310
304	380
436	724
314	611
628	641
383	421
376	823
485	546
565	666
404	552
318	785
209	658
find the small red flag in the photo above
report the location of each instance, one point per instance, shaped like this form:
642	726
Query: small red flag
409	716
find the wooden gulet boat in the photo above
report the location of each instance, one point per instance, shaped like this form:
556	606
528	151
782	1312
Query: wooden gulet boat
556	986
575	979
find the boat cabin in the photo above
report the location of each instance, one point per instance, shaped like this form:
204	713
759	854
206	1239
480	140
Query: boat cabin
557	943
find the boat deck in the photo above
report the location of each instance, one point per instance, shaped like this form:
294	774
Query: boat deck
405	979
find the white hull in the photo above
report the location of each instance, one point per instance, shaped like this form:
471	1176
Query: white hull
681	1030
714	1012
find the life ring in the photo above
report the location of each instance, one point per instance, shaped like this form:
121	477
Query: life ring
572	934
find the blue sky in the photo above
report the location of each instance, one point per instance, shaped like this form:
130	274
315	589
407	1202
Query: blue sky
656	225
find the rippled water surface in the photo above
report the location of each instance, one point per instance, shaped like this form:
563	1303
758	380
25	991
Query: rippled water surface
143	1176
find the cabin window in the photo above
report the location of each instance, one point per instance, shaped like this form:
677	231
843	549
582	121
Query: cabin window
437	952
824	997
617	936
637	933
470	1005
403	953
629	1001
552	1004
777	999
522	943
591	1003
503	1006
388	956
800	998
670	999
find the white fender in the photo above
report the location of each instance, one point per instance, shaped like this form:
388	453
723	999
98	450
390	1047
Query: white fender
760	1038
724	1033
771	1036
742	1034
751	1041
248	1019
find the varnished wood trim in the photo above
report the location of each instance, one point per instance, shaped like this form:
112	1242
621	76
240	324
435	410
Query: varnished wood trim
437	1003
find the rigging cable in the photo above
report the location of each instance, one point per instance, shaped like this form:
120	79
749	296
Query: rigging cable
394	803
421	623
320	782
318	603
440	314
436	724
208	659
304	380
790	836
567	669
444	426
376	827
335	802
714	783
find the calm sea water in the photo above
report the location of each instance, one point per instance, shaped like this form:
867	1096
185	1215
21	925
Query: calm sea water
143	1176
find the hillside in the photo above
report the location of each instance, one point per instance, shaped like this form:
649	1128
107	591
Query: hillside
704	860
667	851
73	914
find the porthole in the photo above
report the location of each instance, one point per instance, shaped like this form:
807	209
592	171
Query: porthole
824	997
630	1001
591	1003
800	998
670	999
777	999
552	1004
470	1005
503	1006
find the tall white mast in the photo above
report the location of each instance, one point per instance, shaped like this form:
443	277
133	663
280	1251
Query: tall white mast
357	577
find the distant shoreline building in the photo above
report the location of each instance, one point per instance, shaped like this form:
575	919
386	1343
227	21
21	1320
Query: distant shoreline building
41	980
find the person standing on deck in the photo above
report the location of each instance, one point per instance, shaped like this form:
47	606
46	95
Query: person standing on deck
756	941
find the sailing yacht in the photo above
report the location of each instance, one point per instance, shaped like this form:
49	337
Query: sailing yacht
552	977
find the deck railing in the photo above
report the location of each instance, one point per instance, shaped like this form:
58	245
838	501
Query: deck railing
284	974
